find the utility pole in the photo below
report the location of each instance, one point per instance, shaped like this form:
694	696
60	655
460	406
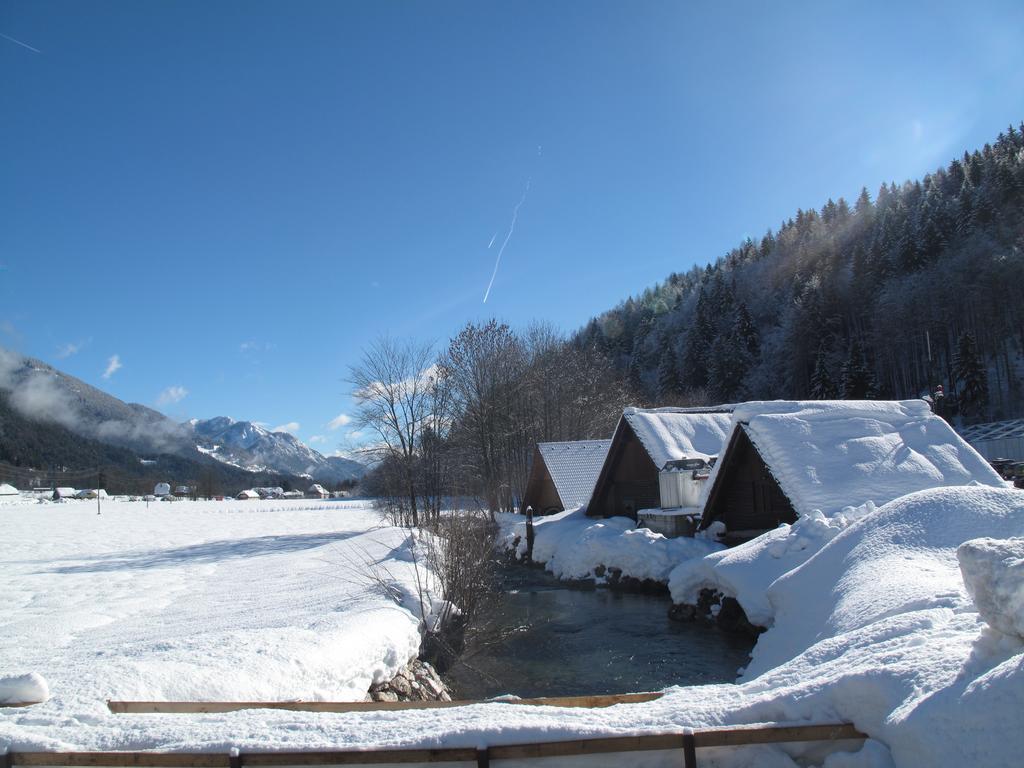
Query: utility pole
101	481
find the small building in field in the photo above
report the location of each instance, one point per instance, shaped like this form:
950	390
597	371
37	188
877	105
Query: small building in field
162	489
317	491
91	493
247	495
183	491
562	475
292	495
8	490
785	459
646	440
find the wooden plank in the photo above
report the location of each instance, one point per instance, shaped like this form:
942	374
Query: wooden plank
577	747
122	759
741	735
362	757
730	736
207	707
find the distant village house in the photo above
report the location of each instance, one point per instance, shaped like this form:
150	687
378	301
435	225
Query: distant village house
317	491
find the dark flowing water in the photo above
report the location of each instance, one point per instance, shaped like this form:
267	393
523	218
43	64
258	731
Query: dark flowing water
583	641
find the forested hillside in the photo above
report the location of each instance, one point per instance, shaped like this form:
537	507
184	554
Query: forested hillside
34	451
891	296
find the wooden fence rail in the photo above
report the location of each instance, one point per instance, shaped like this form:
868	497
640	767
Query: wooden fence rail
207	707
688	741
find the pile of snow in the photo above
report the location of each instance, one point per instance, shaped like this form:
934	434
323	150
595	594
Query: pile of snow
29	688
827	455
993	571
880	617
574	546
745	572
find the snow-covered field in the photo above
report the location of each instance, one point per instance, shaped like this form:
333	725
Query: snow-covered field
260	600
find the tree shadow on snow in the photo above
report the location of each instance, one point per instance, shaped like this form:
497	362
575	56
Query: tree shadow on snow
207	552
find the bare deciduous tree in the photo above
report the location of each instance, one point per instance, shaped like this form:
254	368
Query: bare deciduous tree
393	388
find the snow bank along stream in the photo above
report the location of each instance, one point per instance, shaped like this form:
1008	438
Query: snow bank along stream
869	622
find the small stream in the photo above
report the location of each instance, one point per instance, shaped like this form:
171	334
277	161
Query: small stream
583	641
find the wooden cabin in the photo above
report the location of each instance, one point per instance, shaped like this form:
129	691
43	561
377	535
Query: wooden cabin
786	459
745	495
645	441
562	475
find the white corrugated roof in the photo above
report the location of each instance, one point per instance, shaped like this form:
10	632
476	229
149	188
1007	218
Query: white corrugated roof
668	434
574	467
996	430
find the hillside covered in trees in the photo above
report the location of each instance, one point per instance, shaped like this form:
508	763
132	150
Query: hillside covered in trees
39	452
891	296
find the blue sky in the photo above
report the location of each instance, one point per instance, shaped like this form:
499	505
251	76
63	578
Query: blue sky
234	198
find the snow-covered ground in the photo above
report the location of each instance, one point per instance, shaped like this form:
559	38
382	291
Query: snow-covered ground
258	600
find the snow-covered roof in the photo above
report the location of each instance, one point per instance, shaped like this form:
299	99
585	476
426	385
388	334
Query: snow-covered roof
317	488
827	455
8	490
996	430
574	466
676	433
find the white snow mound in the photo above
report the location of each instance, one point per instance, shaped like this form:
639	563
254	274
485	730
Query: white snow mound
30	688
993	571
572	546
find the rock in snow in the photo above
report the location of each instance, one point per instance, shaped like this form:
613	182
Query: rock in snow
30	688
993	571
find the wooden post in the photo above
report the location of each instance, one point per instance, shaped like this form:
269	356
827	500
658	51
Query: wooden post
529	534
689	748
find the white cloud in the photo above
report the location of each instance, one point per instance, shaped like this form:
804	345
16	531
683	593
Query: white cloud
113	365
171	395
339	421
318	439
71	348
291	427
255	346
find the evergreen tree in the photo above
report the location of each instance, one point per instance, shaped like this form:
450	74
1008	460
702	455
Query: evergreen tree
822	386
858	382
971	376
668	376
700	334
746	332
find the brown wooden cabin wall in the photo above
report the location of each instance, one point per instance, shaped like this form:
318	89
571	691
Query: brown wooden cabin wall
632	482
748	497
541	493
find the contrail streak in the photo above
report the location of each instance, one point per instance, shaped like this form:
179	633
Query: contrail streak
511	229
493	238
18	42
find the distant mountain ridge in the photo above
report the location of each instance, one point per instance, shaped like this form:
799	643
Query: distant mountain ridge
251	446
39	392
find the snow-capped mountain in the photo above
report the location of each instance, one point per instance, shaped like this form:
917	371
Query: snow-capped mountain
250	446
40	392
